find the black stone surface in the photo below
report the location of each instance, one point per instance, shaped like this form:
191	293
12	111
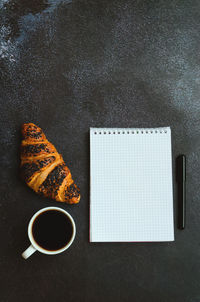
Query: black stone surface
67	67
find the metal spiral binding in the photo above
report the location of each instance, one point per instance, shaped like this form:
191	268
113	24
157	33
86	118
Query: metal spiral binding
139	131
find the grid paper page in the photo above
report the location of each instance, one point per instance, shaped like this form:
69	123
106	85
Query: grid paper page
131	195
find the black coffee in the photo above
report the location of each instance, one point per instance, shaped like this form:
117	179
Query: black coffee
52	230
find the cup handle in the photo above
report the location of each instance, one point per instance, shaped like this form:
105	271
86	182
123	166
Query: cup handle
28	252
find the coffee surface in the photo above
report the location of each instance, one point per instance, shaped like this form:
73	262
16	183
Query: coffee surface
52	230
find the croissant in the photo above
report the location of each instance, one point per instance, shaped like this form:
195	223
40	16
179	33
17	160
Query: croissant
43	168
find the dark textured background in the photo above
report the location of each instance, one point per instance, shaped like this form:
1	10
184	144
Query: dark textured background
115	63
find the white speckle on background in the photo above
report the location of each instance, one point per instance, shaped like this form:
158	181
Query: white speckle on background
3	2
7	47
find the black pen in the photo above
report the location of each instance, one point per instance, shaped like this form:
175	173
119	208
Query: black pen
181	181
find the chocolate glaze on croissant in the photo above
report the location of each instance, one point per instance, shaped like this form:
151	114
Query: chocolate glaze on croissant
43	168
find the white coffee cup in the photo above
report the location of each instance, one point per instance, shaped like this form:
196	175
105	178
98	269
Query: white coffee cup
34	245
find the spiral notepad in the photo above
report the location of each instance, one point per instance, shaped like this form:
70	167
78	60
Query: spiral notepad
131	195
